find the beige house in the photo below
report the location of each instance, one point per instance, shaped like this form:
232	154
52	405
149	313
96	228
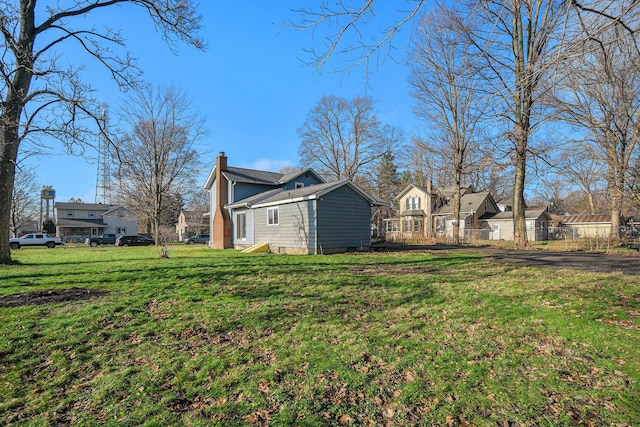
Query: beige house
587	225
537	223
415	207
191	223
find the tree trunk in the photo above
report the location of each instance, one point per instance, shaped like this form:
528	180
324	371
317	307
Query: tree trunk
519	218
10	119
8	157
456	208
592	206
617	197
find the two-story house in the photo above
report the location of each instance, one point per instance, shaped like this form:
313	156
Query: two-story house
416	207
191	223
76	221
296	212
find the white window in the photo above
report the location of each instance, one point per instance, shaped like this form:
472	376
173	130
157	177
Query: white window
92	214
299	184
241	227
413	203
70	213
121	230
273	215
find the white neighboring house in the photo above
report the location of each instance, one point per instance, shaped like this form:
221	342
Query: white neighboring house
77	221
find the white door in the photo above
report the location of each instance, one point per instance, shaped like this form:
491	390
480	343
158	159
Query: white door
496	232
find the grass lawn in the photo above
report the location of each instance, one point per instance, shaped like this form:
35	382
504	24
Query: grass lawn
209	337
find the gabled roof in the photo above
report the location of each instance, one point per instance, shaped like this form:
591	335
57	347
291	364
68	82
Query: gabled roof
468	202
281	196
118	207
449	192
254	176
251	176
408	188
528	214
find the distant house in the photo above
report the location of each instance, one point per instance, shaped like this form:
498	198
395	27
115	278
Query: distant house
505	203
294	213
76	221
414	222
586	225
191	223
473	207
537	224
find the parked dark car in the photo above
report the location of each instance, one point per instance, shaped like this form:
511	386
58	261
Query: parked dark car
200	238
103	239
134	241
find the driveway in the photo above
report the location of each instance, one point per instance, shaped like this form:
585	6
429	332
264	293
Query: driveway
583	261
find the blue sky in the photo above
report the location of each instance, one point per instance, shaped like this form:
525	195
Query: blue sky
250	85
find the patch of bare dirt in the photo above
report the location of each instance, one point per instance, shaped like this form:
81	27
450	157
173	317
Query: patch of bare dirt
50	296
395	270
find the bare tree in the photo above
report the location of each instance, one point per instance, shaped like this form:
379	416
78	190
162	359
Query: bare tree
421	164
445	85
601	95
580	164
156	155
516	47
518	52
42	96
24	201
343	138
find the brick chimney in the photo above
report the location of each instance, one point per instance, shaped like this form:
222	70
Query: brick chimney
221	220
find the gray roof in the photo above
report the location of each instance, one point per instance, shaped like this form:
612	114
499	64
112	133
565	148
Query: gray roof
65	222
253	176
528	213
84	206
280	196
449	192
468	202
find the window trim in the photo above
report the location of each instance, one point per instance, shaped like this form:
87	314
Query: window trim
273	220
243	228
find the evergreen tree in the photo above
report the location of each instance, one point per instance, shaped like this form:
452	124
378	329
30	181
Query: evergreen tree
387	183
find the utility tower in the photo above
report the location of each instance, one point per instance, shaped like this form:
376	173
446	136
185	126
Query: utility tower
103	180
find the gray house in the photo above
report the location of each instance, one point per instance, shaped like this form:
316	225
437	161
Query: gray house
79	220
294	213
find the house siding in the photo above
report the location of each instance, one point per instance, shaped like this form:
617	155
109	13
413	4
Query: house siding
306	178
294	230
344	220
113	221
238	243
242	190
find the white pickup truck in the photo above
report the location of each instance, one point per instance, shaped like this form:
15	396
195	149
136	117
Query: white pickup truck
35	239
